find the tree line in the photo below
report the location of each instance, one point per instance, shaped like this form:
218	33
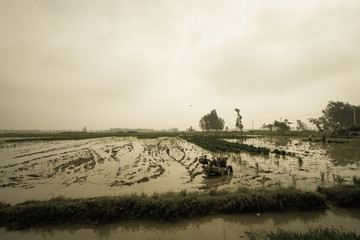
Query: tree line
212	121
336	116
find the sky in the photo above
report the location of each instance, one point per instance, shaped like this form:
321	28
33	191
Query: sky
164	64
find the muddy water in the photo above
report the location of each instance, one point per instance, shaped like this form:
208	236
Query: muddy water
97	167
310	165
114	165
212	227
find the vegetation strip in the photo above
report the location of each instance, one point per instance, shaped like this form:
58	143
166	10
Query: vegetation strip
215	145
318	233
342	195
168	206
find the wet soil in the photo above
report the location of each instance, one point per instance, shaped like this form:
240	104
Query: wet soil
121	165
97	167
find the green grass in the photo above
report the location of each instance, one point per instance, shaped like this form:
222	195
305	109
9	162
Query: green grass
168	206
313	234
342	195
214	144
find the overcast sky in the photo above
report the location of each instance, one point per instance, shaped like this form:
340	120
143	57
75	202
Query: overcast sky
140	64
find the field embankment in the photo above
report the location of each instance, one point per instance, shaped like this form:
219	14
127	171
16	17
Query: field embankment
169	206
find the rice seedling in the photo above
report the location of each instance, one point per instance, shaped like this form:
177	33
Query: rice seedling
300	162
293	180
356	180
212	143
338	179
322	175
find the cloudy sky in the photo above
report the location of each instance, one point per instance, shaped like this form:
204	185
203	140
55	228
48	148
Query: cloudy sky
140	64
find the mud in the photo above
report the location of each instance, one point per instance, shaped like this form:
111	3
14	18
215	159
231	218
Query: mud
97	167
119	165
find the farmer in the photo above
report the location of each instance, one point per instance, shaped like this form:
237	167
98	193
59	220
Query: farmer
213	162
310	138
221	162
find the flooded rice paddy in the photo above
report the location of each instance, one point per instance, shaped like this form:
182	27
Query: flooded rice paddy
109	166
123	165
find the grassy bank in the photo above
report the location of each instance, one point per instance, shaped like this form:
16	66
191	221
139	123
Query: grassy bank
319	233
164	207
342	195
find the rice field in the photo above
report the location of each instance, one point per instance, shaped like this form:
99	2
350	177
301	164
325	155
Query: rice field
115	165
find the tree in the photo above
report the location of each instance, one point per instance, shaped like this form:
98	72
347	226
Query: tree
238	123
301	126
337	115
283	126
211	121
269	126
320	123
191	129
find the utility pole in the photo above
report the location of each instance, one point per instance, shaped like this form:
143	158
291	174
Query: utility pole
354	116
252	124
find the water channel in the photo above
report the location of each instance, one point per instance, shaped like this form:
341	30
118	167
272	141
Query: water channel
210	227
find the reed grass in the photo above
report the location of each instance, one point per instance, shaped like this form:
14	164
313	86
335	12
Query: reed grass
342	195
168	206
314	234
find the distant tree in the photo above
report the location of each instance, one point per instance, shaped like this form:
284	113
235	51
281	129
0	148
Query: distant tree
269	126
211	121
173	129
337	115
238	123
191	129
320	123
283	126
301	126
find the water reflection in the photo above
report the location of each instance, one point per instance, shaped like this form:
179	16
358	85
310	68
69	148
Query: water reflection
211	227
343	154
